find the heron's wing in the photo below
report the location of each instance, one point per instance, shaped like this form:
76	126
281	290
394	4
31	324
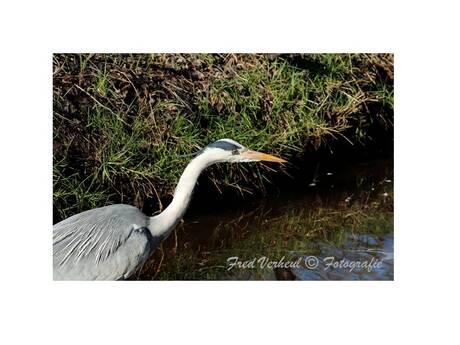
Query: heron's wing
94	242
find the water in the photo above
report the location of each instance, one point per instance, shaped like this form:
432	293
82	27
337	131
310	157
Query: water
337	225
364	257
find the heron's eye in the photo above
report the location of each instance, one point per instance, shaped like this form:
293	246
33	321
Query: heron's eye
235	152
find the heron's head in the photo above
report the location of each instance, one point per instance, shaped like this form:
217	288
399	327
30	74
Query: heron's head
228	150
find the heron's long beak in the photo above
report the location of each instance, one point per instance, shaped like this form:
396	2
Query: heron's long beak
262	156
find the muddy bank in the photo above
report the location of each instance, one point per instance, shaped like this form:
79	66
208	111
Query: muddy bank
121	123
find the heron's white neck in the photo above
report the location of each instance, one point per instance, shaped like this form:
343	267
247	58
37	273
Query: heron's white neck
164	223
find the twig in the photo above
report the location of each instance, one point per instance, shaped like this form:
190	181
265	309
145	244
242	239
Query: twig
99	103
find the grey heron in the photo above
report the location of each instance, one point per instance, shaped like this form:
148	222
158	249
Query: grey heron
112	242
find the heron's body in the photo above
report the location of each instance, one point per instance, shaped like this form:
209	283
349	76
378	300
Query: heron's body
111	248
112	242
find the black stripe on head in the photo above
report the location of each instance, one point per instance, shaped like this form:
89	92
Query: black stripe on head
225	145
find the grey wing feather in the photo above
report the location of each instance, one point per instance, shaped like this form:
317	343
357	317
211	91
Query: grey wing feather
104	243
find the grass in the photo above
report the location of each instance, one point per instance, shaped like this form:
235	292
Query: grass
122	122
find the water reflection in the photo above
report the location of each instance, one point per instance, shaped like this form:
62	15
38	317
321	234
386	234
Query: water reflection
364	257
345	223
